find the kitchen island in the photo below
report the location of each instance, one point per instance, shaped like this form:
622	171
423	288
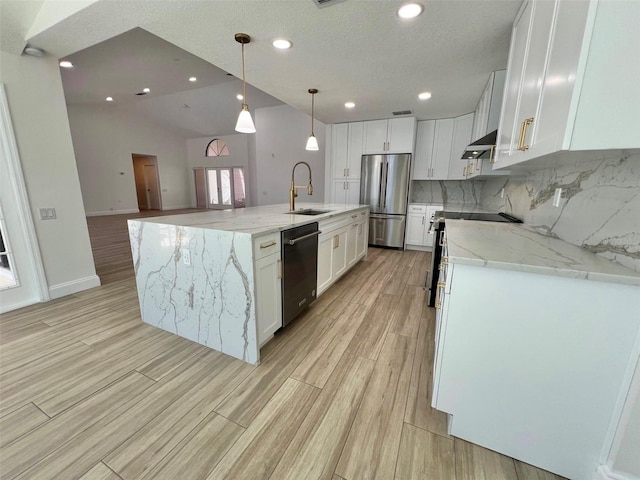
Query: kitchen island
214	277
536	344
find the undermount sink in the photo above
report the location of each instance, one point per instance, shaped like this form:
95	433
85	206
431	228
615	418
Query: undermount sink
309	211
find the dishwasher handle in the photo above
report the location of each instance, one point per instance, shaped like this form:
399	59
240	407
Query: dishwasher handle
299	239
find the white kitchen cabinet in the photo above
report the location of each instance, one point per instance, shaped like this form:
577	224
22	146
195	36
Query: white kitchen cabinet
339	255
352	243
344	162
569	84
531	364
431	163
419	236
462	127
268	296
396	135
341	244
346	146
363	235
346	191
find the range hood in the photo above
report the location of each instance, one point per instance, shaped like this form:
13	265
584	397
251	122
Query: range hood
481	148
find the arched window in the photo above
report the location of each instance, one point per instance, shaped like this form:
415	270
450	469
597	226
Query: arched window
216	148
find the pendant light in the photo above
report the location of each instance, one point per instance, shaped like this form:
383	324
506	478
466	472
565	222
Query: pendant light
312	142
245	122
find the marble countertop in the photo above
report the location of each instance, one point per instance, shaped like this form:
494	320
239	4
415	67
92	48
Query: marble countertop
513	246
254	221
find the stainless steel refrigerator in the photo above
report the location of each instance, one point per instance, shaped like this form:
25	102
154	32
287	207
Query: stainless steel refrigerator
384	186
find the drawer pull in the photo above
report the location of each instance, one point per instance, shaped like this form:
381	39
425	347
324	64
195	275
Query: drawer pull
354	216
267	245
523	134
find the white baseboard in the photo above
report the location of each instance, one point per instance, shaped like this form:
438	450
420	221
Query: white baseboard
604	472
4	308
74	286
111	212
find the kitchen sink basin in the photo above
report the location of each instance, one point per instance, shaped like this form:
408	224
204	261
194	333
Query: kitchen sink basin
309	211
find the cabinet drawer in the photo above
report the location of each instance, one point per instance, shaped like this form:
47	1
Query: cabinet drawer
266	245
417	209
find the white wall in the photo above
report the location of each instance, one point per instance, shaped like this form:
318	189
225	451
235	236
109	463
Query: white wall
238	157
36	101
281	136
104	137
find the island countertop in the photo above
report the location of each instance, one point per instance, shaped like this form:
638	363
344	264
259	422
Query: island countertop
512	246
254	221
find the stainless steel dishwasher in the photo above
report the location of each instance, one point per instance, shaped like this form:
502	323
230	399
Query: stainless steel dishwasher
299	269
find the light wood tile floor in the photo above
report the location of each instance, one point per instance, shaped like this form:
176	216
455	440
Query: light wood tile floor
88	391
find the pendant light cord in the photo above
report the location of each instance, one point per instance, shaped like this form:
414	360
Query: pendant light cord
312	105
244	83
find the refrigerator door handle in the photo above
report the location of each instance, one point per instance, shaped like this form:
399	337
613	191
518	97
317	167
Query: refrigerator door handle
380	190
386	178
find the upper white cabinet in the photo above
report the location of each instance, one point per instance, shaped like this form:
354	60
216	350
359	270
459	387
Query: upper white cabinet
433	143
396	135
462	127
344	162
572	80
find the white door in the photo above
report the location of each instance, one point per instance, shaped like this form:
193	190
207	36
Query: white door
375	137
226	187
22	280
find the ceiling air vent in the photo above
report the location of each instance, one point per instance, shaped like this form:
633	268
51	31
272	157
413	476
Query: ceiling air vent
326	3
402	112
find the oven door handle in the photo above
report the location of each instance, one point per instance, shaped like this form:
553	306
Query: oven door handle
299	239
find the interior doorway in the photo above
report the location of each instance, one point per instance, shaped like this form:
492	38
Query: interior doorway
145	171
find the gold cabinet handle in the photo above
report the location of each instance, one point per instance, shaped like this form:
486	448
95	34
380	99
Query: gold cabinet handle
444	260
523	134
344	172
267	245
438	302
441	284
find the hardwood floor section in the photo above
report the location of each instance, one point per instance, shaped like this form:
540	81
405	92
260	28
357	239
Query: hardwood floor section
424	455
88	391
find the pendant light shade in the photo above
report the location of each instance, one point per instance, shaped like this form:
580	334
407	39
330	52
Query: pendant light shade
312	142
245	122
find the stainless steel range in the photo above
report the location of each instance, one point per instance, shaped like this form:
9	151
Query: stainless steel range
438	227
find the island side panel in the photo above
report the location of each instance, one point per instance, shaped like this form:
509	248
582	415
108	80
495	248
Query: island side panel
207	298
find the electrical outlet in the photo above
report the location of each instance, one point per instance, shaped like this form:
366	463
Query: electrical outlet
556	197
186	257
47	213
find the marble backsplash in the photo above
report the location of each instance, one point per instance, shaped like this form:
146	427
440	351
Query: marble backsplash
599	208
458	192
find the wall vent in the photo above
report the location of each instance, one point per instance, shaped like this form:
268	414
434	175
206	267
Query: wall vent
326	3
402	112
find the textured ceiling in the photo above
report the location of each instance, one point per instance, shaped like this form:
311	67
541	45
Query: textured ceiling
355	50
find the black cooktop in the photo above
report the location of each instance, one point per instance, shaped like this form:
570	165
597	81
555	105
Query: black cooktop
482	217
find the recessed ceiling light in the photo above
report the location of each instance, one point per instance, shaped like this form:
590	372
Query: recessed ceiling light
281	43
410	10
109	99
146	90
66	64
350	105
424	95
193	79
239	97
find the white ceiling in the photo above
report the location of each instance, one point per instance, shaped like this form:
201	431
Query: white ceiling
353	50
122	66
